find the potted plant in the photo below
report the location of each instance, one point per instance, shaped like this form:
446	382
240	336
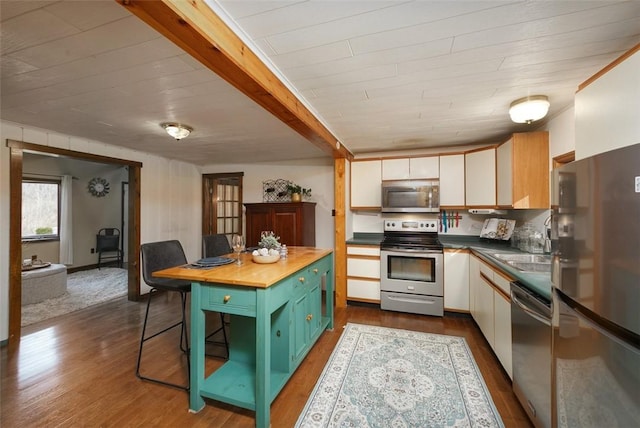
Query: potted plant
269	240
297	192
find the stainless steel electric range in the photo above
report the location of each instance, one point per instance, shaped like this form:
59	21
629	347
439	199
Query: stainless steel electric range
411	267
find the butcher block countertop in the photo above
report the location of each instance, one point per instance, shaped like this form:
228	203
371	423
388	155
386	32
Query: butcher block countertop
249	273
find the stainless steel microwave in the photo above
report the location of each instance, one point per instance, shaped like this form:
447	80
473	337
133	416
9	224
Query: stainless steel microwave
411	196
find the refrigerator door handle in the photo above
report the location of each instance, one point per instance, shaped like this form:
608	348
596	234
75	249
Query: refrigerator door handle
587	320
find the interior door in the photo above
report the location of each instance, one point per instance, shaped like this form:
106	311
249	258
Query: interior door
222	204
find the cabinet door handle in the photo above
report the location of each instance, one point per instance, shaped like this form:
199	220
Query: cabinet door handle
226	298
309	317
301	279
315	270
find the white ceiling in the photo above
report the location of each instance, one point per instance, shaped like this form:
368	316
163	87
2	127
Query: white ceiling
381	75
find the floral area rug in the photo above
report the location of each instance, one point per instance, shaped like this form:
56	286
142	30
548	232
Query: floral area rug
84	288
384	377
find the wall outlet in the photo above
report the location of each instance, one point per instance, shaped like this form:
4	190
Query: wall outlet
93	250
637	184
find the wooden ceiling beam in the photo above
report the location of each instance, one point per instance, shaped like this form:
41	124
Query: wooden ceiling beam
199	31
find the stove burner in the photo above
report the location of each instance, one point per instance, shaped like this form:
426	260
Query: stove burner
413	241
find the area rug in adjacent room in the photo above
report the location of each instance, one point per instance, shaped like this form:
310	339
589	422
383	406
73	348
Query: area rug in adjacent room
384	377
84	288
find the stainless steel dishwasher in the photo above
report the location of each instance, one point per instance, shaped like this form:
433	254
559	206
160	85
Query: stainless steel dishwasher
531	348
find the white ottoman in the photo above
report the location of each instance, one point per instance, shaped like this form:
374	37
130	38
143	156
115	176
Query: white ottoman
42	284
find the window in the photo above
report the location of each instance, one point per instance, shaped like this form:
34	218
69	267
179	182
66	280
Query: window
40	209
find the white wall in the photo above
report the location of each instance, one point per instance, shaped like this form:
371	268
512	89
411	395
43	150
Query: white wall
170	197
562	135
316	174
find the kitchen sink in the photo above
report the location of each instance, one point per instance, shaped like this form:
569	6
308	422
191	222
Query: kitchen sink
523	258
526	262
531	267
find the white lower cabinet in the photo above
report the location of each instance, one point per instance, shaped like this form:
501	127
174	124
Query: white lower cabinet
456	280
484	310
502	331
474	283
491	308
363	273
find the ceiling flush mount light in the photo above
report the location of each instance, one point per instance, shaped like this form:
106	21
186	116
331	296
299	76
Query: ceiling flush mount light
529	109
177	130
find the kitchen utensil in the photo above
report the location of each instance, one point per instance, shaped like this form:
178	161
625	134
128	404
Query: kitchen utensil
444	220
457	219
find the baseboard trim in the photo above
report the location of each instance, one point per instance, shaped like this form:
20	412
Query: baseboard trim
81	268
94	266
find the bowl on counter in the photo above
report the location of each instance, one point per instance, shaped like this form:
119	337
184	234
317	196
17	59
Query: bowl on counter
266	259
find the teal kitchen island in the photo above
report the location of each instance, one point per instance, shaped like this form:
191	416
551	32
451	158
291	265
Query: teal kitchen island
276	316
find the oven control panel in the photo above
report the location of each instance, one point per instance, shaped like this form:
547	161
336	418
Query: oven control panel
397	225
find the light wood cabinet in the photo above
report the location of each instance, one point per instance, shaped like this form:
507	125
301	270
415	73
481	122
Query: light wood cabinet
456	280
293	222
410	168
523	171
452	180
366	182
480	178
363	273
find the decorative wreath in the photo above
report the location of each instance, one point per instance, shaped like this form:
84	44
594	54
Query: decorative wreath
98	187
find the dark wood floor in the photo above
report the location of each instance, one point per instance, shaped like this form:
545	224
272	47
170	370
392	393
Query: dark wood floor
78	370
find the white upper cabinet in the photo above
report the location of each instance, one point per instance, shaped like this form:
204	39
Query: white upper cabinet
607	106
366	182
410	168
480	178
424	167
452	180
395	169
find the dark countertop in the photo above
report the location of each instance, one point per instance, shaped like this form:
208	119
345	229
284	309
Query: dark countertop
537	282
365	238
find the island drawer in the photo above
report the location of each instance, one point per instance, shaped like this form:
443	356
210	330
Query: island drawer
229	300
310	276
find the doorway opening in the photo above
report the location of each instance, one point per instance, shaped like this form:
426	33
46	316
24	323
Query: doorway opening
18	150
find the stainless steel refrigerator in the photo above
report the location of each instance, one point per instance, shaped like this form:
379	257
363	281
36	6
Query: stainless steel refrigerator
596	277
